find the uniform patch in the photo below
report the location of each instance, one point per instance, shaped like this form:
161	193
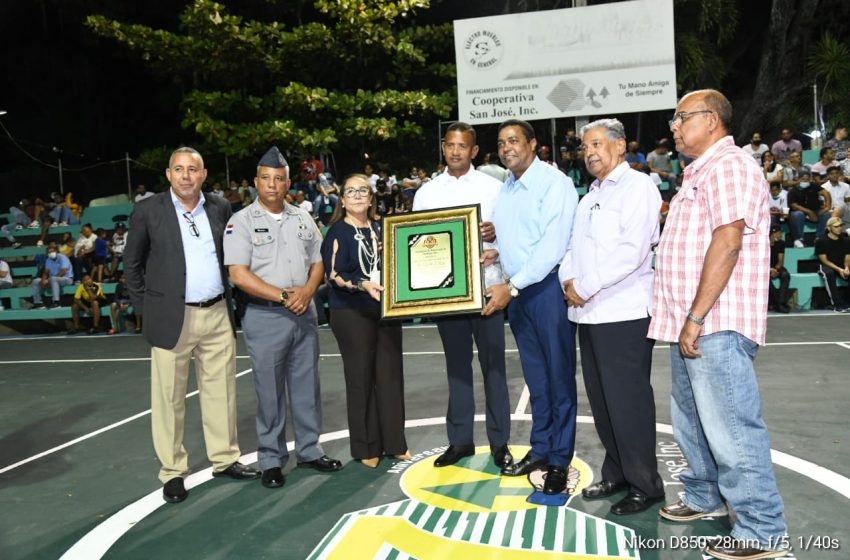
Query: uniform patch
261	230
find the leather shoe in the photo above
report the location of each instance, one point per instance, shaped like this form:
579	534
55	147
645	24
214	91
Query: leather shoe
239	471
634	502
602	489
556	480
273	478
734	549
525	466
322	464
174	491
454	454
501	456
678	511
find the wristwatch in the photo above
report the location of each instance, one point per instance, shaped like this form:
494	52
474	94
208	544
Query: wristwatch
283	297
694	319
513	289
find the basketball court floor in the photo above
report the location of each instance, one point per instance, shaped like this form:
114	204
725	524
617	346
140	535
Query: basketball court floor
78	475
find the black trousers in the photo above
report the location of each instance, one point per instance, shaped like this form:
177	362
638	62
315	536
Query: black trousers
616	359
374	381
779	296
457	334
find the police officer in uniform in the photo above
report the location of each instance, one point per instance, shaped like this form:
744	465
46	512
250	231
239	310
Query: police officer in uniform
272	250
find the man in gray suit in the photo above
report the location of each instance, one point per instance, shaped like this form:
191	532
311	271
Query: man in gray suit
173	266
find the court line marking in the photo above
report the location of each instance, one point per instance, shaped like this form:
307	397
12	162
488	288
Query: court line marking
524	397
422	353
90	435
94	544
325	328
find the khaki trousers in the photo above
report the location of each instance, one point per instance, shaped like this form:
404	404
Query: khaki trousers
207	336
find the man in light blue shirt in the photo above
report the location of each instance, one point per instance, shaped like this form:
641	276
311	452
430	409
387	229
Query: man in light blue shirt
57	272
533	220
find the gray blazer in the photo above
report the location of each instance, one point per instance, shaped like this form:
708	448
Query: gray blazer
155	267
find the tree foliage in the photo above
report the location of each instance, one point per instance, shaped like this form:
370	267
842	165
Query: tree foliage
346	74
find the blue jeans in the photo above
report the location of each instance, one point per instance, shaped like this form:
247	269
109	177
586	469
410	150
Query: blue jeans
798	221
716	411
64	214
19	216
56	283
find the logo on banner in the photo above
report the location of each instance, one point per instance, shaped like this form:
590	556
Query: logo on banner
483	49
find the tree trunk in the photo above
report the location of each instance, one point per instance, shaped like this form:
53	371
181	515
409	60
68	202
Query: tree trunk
782	70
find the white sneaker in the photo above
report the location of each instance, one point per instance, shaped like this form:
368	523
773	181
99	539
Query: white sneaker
39	243
34	225
798	243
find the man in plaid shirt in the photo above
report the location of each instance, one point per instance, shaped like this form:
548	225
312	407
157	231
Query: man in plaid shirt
710	302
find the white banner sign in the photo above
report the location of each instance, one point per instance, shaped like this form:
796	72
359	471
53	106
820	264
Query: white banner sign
597	60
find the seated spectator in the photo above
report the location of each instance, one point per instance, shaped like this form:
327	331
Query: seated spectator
440	168
778	204
492	168
772	170
635	158
423	176
808	202
301	201
792	169
6	280
116	246
66	247
100	255
6	231
234	197
839	191
839	143
833	251
389	179
88	299
22	214
385	199
248	192
120	307
777	298
328	195
142	193
756	147
84	251
217	190
61	213
658	161
310	169
783	147
410	184
545	155
827	160
369	171
56	273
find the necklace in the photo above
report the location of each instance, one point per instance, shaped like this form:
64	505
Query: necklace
367	252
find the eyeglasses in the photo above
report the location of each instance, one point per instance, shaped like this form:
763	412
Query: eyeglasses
353	193
682	116
191	221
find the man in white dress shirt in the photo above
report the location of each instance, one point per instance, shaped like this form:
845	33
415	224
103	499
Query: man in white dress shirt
607	278
462	185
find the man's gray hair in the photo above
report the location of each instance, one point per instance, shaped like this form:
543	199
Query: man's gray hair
186	150
615	128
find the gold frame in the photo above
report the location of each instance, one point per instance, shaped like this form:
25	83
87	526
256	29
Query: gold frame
472	301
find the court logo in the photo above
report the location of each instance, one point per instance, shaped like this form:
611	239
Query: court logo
483	49
468	510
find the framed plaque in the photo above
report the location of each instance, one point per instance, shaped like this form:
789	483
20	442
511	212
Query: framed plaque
432	263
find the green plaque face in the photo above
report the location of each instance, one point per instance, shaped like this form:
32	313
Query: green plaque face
431	263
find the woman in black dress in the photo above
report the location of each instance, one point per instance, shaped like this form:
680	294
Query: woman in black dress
370	348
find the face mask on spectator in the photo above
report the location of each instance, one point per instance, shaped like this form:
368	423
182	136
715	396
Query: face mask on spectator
804	185
53	255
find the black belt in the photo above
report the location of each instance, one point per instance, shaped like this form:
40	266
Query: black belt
262	302
208	303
